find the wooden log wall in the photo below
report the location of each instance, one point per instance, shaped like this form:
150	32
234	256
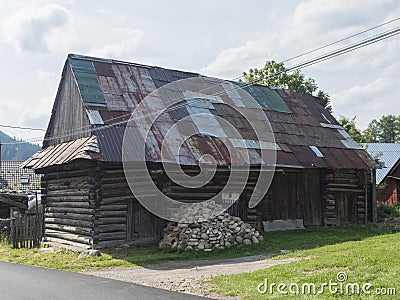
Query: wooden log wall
346	196
111	216
119	218
69	199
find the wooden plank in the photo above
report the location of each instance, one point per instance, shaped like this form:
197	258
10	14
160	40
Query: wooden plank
107	214
67	193
79	223
59	198
111	236
110	244
69	236
343	185
70	216
83	204
71	229
116	193
112	228
345	190
111	200
67	243
113	207
116	220
76	210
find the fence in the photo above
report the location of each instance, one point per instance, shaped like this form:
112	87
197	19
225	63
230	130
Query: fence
26	230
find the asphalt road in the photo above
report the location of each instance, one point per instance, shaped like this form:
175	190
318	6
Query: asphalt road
34	283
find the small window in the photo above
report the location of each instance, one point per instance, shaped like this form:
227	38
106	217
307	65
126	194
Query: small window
24	180
316	151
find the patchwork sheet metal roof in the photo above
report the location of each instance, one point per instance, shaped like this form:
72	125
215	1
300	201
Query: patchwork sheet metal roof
111	90
84	148
388	154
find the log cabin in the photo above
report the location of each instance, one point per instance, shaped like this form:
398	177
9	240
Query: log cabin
322	177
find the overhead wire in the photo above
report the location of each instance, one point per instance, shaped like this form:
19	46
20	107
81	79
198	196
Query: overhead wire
329	55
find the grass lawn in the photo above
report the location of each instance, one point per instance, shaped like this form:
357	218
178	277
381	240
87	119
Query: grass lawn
374	260
311	238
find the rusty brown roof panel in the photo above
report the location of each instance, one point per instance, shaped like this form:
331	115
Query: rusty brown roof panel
287	158
84	148
201	145
112	117
103	69
308	158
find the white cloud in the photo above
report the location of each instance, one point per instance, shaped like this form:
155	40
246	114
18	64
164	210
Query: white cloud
121	44
311	24
47	77
371	100
362	83
32	29
230	62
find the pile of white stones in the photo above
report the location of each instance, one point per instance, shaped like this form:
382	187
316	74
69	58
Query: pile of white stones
199	229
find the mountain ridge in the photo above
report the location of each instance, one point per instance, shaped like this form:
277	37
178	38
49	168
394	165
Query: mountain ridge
17	151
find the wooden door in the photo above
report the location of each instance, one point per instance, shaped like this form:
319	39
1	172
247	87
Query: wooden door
312	209
142	223
346	208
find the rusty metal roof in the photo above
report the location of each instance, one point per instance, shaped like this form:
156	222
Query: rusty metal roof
111	90
84	148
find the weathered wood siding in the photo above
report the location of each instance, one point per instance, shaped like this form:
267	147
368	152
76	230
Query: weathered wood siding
70	201
90	205
347	197
293	195
119	217
68	112
339	197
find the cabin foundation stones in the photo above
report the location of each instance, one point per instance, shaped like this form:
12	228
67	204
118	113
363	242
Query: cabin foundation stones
199	229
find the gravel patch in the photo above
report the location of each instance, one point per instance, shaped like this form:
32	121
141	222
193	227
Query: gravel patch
192	276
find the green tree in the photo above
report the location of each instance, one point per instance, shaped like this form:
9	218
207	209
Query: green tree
350	126
275	74
372	132
389	126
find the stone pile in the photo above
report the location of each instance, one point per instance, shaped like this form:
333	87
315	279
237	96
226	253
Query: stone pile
199	229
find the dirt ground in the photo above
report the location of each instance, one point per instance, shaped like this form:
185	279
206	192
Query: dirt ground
189	277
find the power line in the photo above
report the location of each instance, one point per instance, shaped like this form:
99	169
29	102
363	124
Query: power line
329	55
354	46
341	40
24	128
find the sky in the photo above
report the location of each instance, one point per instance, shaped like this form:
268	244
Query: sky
216	38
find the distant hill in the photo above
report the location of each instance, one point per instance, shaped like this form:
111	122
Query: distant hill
20	151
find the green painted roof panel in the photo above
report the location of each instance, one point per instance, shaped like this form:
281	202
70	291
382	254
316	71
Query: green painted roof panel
267	98
88	84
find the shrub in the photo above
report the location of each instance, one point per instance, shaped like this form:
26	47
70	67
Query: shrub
387	211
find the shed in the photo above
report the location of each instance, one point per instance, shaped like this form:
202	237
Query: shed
322	178
12	200
13	177
388	176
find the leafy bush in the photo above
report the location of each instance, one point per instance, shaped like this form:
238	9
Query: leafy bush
387	211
